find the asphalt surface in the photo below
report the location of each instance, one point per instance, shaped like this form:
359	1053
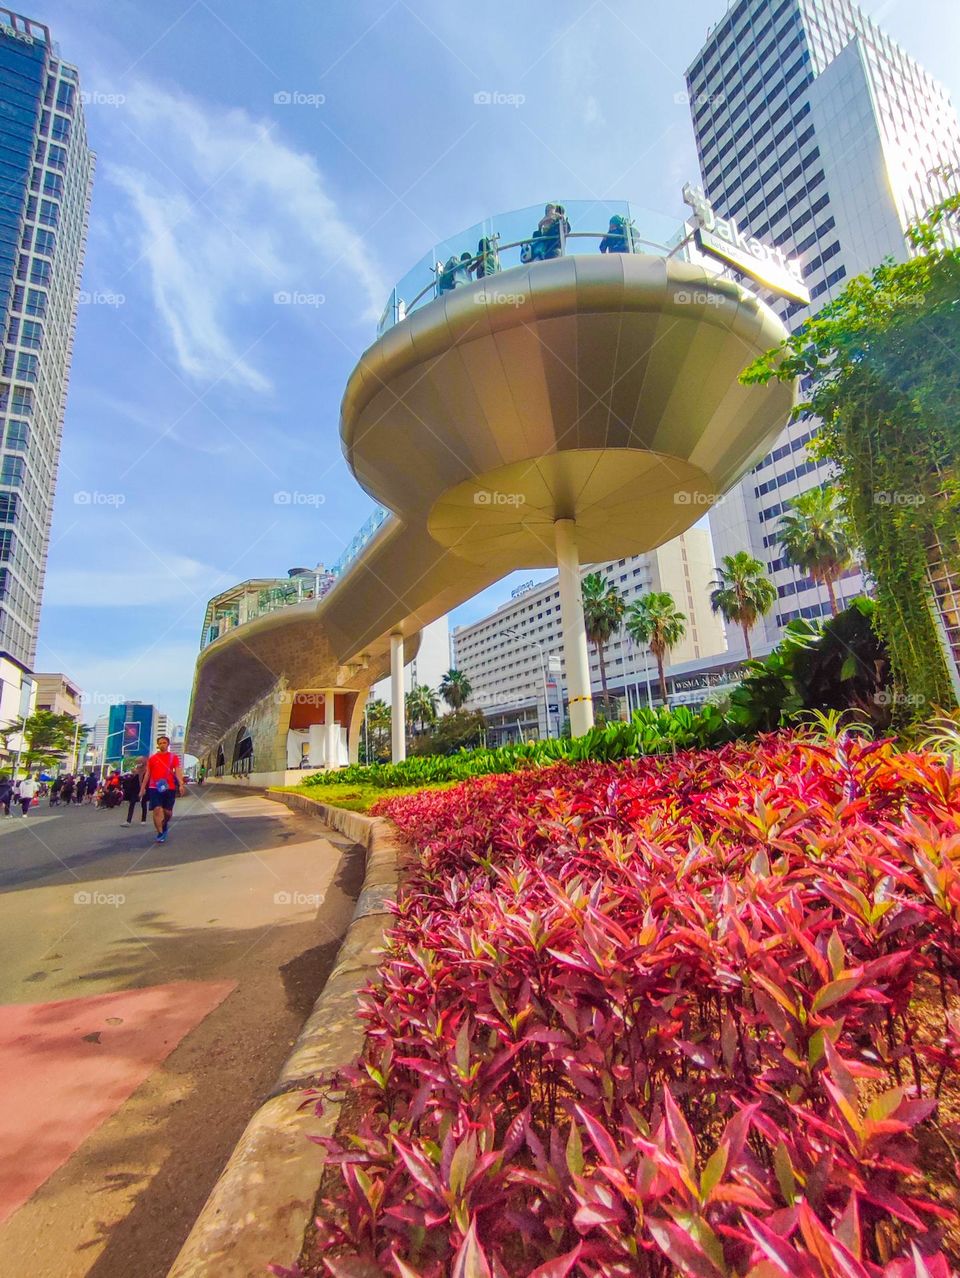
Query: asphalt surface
148	997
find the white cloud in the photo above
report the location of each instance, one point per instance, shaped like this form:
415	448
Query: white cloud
156	673
592	114
223	214
170	579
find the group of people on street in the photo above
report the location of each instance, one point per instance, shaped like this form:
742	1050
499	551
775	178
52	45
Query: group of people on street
70	788
548	241
22	792
153	784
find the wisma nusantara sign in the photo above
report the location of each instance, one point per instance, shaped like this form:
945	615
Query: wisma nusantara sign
723	239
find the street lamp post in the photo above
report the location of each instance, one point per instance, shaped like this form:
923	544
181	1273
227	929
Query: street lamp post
636	673
538	644
103	748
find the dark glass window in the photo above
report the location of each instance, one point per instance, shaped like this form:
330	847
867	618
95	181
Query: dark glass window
17	433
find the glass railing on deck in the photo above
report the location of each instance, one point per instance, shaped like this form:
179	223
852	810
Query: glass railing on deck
243	604
360	539
533	234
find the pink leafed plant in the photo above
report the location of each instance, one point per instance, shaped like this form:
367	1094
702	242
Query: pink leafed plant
693	1015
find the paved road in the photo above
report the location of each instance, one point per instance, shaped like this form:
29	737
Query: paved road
148	996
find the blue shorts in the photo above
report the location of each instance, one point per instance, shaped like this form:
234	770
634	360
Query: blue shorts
166	800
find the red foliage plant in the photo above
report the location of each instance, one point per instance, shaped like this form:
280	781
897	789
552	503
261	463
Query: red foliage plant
688	1015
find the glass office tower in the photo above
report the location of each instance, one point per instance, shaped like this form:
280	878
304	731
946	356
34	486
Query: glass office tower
818	134
46	171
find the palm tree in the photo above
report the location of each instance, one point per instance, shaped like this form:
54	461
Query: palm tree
421	704
378	725
742	592
655	620
455	688
814	538
603	608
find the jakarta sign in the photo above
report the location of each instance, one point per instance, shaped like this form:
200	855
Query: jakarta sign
723	239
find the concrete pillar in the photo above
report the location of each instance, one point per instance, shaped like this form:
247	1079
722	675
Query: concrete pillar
331	735
356	723
398	733
574	634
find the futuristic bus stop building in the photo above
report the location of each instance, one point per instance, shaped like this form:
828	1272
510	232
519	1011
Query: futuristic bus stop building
557	412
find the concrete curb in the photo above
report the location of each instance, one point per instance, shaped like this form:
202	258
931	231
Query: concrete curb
259	1210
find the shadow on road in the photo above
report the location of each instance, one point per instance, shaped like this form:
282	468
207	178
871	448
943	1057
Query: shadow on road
166	1146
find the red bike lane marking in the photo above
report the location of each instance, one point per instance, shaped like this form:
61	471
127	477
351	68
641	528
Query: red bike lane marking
68	1065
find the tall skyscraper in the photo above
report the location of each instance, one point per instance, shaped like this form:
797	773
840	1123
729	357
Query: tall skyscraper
817	134
46	172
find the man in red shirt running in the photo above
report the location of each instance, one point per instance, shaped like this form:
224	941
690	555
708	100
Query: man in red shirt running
162	782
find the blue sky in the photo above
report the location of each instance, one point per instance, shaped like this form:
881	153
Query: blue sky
195	397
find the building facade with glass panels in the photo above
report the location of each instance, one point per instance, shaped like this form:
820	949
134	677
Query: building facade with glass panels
46	171
818	134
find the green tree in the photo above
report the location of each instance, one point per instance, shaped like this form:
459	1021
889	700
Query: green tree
742	592
603	608
655	620
455	688
880	364
458	730
377	728
421	706
880	367
813	534
47	737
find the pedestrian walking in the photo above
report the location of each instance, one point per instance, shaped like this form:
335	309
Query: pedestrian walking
131	794
6	794
26	792
80	789
55	790
161	783
66	790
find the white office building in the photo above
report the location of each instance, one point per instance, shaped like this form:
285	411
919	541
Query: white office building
429	665
514	658
819	135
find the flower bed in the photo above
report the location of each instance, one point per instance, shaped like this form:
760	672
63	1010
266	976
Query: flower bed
691	1015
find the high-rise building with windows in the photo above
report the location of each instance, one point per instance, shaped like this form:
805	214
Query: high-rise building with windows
817	134
46	171
515	660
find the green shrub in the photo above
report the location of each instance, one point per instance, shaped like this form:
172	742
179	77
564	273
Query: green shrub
839	666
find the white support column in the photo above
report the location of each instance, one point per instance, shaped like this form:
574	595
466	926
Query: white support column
331	735
397	719
574	634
